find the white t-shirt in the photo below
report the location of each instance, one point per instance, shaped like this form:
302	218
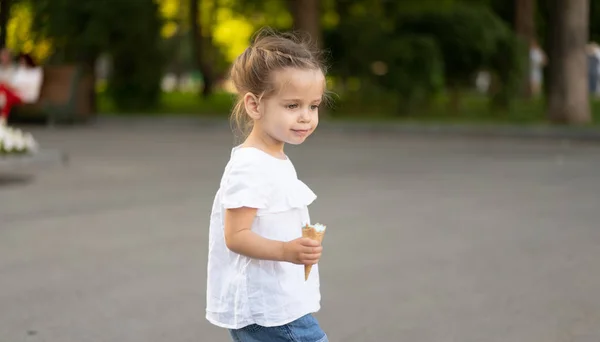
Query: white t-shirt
28	83
243	291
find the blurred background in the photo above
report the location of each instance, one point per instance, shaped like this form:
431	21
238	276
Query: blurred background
456	168
501	61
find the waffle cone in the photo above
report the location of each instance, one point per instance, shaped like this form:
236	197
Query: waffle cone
311	233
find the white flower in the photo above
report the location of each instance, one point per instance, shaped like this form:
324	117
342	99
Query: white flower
15	140
17	133
20	144
9	144
30	143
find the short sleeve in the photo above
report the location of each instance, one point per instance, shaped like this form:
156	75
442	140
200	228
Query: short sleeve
245	186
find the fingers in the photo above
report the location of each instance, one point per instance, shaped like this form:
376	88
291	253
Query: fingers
309	242
311	255
310	259
309	251
312	250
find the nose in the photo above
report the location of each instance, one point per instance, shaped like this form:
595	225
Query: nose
305	116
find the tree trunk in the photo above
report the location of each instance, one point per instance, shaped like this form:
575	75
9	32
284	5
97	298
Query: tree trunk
525	28
525	18
568	92
306	16
307	19
198	49
4	16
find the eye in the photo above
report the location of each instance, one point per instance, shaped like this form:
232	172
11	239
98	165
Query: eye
292	106
314	107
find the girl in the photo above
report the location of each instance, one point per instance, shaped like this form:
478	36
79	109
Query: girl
256	286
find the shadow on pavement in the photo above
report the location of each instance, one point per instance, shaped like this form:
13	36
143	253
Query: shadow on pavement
13	179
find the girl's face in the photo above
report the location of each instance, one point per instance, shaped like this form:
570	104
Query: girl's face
291	114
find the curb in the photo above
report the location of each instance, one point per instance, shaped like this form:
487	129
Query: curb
43	157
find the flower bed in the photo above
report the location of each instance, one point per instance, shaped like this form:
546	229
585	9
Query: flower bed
13	141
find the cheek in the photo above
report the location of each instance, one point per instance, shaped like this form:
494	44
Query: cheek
279	121
284	117
286	122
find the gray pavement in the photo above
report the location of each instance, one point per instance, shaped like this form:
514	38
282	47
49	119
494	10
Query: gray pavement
429	239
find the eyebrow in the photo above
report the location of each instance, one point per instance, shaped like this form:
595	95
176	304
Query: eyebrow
299	100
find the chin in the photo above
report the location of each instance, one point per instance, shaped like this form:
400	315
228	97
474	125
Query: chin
295	141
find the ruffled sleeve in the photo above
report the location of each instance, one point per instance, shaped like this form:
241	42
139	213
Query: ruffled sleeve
295	194
245	186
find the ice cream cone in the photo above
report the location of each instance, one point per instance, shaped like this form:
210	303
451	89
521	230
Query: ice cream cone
316	232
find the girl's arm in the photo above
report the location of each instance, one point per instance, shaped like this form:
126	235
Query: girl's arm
240	239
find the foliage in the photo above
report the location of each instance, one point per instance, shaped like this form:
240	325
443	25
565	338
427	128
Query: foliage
406	48
272	13
423	46
172	12
471	39
231	33
136	58
354	44
415	70
594	23
508	65
19	33
465	36
78	29
128	30
239	21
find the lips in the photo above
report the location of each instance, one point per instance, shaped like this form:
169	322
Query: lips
301	132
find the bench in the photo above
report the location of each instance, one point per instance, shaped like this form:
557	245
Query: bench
64	96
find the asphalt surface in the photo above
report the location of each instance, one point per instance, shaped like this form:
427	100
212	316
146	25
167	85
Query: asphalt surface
429	238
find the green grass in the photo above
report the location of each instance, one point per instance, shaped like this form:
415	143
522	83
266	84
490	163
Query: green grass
474	108
177	103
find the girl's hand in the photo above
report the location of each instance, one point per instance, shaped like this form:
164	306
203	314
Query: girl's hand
302	251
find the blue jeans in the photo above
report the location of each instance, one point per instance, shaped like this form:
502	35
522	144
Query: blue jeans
304	329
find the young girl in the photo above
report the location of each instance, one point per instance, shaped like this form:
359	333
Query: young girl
256	286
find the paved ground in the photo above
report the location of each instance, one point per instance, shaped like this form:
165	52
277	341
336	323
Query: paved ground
431	239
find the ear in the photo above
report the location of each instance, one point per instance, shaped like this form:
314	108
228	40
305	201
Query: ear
251	103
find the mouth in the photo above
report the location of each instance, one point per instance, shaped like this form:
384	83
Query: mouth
301	132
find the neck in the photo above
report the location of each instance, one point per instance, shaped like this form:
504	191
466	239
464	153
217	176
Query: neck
258	138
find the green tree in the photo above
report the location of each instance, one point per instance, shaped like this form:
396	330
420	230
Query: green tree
4	16
137	59
471	38
128	30
415	71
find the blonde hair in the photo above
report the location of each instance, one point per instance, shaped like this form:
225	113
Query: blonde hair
252	71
